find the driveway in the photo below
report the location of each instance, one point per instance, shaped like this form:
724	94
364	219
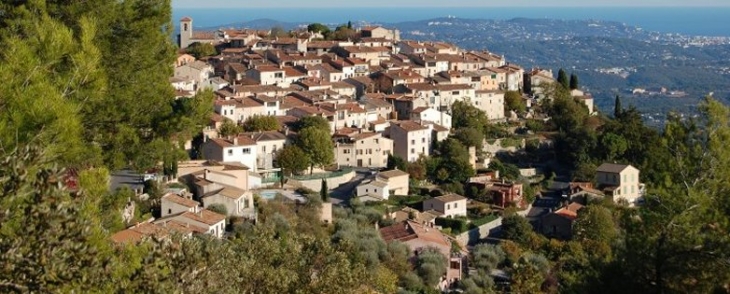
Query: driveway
342	194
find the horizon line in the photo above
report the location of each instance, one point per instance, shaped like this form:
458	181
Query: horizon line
442	7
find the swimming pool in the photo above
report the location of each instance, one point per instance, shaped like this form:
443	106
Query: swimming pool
268	194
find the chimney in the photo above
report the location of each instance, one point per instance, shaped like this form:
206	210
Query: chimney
235	141
205	175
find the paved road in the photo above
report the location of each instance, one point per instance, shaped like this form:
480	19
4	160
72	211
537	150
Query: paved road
341	195
126	178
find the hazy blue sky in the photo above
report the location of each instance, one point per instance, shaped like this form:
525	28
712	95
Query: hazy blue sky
434	3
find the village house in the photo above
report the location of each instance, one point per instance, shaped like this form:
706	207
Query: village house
268	75
363	149
380	32
582	192
188	212
619	181
386	81
410	140
535	81
450	205
427	218
418	237
425	114
491	102
237	202
204	175
196	71
559	224
383	185
236	149
138	232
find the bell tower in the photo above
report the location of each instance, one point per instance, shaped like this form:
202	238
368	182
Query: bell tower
186	32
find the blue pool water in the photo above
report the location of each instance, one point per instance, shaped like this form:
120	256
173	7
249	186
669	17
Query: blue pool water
268	194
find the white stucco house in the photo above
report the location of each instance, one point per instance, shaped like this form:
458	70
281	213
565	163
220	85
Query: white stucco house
236	149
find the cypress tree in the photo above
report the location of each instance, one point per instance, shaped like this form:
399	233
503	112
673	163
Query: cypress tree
573	81
563	78
323	192
617	110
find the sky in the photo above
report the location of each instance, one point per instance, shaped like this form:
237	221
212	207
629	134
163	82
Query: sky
443	3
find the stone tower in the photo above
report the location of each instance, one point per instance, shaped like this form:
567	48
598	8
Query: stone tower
186	32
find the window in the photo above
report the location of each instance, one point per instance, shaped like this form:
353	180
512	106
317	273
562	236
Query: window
455	93
346	151
367	190
423	140
263	148
413	150
279	75
413	141
245	203
246	150
456	205
169	211
230	151
448	206
376	190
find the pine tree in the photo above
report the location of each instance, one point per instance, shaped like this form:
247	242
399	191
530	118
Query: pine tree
563	79
617	110
573	81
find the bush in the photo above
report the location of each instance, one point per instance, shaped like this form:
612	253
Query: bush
457	226
218	208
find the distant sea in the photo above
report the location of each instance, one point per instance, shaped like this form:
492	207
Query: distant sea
702	21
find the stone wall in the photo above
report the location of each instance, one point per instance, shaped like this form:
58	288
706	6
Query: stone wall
316	184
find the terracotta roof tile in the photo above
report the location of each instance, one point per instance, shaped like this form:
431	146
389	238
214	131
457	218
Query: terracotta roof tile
179	200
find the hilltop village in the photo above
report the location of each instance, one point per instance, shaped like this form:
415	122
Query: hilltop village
335	159
441	142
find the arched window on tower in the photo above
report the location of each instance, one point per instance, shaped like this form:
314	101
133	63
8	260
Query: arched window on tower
185	27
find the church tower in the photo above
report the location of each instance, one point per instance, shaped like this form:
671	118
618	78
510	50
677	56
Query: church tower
186	32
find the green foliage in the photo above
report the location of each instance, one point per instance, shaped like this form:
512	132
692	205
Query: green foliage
229	128
563	79
487	257
396	162
260	123
457	226
506	170
430	266
617	109
324	192
64	66
47	232
317	122
90	71
199	50
278	32
573	81
516	228
292	159
454	161
318	146
467	116
318	28
513	102
470	137
218	208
